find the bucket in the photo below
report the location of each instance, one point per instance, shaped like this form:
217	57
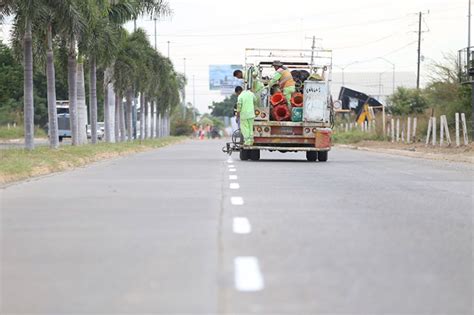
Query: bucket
277	99
281	113
297	114
297	100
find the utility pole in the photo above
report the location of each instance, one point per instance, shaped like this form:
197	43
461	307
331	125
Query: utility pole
313	47
420	17
194	99
469	36
168	49
184	91
154	19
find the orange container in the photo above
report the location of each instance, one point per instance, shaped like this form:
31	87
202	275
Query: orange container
323	138
281	113
297	100
277	99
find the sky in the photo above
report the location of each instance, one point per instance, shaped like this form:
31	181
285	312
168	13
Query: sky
359	32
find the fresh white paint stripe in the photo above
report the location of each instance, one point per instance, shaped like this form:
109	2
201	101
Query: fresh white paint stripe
241	225
233	177
234	186
232	170
247	275
230	161
231	166
237	201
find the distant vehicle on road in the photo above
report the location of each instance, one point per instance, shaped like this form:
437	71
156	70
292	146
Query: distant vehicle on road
64	126
100	131
306	127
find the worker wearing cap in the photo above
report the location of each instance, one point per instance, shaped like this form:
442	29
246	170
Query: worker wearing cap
251	82
284	79
246	113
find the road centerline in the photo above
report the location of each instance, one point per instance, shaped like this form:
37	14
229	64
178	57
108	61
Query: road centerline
241	225
247	275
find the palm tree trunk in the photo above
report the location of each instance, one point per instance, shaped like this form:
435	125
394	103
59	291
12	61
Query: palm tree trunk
117	117
153	120
81	104
146	118
109	138
28	110
123	132
142	116
129	114
51	88
93	99
72	89
160	125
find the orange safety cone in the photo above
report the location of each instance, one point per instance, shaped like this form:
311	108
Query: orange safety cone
297	100
281	113
277	99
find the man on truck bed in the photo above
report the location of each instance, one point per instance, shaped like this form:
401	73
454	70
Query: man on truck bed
246	113
251	82
284	79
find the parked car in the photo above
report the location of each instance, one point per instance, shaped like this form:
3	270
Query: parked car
100	131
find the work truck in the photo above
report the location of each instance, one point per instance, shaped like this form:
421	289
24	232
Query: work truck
307	126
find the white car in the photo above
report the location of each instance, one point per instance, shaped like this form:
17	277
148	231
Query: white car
100	131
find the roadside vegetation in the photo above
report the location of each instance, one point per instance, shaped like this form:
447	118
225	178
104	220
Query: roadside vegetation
18	132
18	164
354	136
79	50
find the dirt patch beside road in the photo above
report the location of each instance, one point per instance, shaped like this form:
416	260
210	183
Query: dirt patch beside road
463	154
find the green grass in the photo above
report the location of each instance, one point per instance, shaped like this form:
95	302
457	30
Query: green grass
18	132
354	136
17	164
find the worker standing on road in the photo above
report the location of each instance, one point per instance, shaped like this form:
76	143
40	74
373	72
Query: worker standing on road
252	83
284	79
246	113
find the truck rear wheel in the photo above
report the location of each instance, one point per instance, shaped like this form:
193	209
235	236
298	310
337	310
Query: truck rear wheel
254	155
311	156
323	156
244	154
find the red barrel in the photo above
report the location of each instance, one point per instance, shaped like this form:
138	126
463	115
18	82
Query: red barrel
281	113
277	99
297	100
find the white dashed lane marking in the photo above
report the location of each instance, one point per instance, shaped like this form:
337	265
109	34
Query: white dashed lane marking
233	177
232	170
247	275
234	186
241	225
237	201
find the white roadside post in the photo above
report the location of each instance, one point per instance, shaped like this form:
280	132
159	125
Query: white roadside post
464	129
408	129
430	121
434	131
458	142
398	130
441	131
446	130
392	129
414	129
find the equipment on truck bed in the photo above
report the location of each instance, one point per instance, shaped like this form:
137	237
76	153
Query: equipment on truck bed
305	126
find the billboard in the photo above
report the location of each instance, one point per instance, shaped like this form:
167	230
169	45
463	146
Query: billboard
221	78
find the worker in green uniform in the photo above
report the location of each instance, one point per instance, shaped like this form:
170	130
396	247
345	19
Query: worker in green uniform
251	82
246	113
285	81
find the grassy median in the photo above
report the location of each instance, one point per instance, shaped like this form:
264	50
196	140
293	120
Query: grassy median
18	132
18	164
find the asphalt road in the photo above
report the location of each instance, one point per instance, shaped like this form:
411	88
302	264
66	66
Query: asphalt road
184	230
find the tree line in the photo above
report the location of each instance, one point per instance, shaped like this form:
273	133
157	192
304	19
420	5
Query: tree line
88	37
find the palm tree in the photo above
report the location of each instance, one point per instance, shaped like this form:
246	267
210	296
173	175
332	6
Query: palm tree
25	12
